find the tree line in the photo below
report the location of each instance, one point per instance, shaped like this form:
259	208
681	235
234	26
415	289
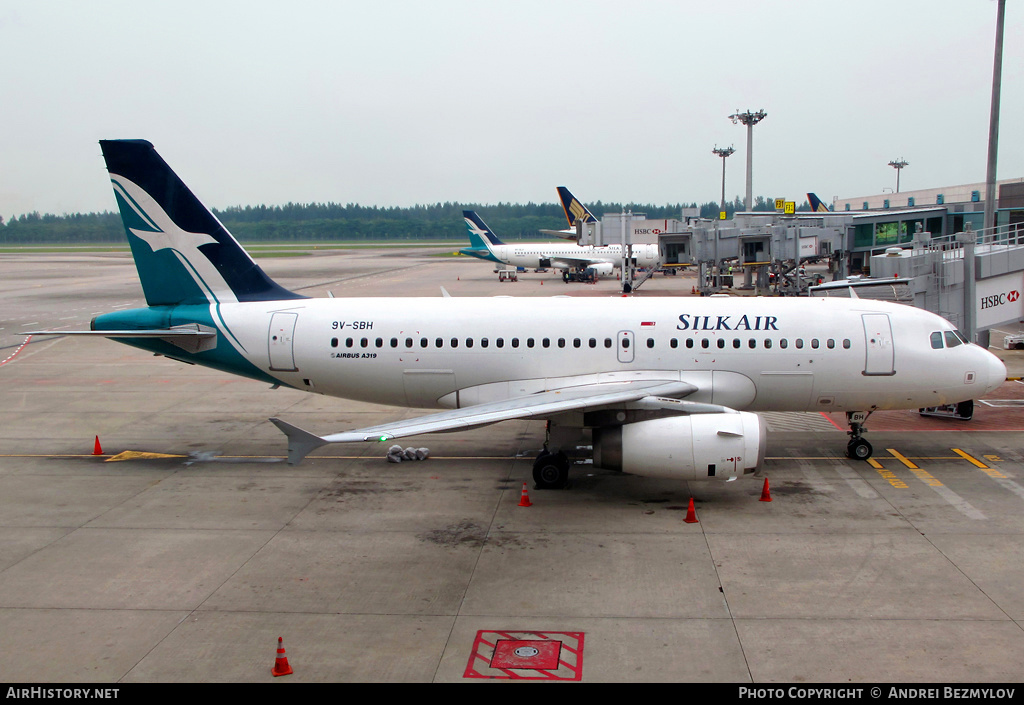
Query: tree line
333	222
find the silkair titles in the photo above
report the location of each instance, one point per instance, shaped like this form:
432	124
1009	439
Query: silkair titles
688	321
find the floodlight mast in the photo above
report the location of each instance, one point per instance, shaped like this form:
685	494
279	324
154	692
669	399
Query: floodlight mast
749	119
723	153
898	165
993	123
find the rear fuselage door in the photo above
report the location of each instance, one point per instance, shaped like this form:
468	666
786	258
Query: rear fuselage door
280	340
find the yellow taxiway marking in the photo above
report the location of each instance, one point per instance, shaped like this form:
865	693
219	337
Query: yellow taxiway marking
991	472
902	458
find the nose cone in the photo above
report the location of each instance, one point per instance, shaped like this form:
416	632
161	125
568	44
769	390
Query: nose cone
996	371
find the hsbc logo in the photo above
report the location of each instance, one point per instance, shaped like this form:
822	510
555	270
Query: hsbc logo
999	299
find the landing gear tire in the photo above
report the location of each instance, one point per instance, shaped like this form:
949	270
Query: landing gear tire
551	471
858	449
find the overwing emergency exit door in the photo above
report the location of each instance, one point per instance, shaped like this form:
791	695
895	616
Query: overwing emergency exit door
625	343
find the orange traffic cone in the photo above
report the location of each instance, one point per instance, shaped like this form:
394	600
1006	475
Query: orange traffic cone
766	496
96	449
691	515
281	667
525	499
693	290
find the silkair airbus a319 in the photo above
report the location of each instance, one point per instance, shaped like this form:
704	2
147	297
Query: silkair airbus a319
666	386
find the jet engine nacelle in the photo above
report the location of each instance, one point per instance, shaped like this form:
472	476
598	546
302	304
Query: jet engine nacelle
694	447
604	269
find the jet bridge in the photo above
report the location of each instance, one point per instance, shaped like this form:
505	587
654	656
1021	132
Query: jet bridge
765	249
930	274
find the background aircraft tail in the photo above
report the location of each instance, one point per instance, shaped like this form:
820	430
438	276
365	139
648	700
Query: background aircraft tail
817	205
479	233
183	254
574	210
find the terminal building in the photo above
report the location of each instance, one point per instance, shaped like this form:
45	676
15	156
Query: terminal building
925	248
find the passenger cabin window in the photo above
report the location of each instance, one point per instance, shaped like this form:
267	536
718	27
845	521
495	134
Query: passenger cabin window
334	342
650	342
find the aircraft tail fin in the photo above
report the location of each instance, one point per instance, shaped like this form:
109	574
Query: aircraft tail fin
183	254
479	232
574	210
817	205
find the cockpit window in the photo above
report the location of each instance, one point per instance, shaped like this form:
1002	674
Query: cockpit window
951	339
962	337
937	340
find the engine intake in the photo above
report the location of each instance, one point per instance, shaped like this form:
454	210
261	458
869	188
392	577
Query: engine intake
694	447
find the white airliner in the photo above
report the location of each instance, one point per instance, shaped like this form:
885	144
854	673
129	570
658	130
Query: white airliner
565	256
665	386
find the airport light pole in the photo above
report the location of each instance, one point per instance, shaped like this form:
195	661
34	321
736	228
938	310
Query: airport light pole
723	153
898	165
749	119
993	124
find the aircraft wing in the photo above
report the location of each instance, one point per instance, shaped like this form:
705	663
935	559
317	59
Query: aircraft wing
565	234
645	394
564	262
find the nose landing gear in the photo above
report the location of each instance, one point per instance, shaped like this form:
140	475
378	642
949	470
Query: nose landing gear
858	448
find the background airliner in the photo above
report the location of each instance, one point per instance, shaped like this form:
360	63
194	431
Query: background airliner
660	387
484	244
575	212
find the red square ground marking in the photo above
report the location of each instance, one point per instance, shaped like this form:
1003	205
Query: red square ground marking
532	654
516	655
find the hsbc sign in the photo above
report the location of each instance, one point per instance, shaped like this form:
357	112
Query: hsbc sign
998	300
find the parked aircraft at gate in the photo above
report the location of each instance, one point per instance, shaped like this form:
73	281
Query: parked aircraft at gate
665	385
484	244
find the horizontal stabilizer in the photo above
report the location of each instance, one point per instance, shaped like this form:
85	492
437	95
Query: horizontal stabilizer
191	337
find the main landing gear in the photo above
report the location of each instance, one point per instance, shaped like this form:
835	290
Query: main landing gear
551	471
858	448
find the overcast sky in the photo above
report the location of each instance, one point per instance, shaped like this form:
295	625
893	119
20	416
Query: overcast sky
395	102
